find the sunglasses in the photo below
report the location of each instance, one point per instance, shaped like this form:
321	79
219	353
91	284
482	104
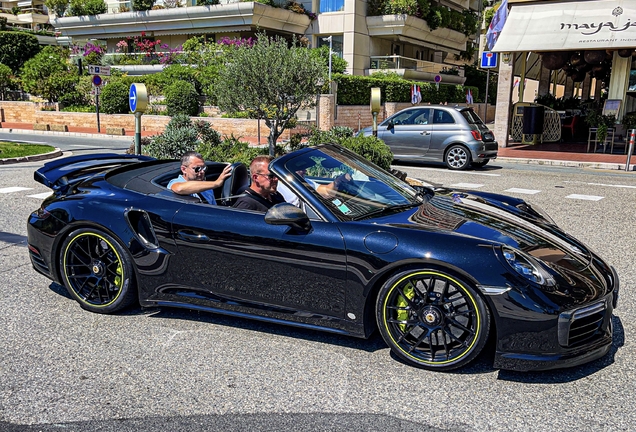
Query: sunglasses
269	176
198	169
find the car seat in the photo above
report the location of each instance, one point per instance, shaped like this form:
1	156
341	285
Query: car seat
235	184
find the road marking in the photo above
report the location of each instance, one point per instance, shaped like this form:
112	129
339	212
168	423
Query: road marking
467	185
585	197
523	191
603	184
445	170
81	146
40	195
13	189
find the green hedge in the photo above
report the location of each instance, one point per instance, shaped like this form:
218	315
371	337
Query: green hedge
356	90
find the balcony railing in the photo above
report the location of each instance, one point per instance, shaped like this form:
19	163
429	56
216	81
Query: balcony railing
400	62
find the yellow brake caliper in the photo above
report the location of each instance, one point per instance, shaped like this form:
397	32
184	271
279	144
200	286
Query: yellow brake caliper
402	304
118	277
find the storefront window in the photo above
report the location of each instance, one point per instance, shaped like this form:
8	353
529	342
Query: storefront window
336	44
331	5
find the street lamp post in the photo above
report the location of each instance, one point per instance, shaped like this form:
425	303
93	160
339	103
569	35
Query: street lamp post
330	40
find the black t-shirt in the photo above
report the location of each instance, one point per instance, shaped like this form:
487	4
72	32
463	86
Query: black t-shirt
251	200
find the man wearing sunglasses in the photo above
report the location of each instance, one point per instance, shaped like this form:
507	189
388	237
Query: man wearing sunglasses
262	194
192	179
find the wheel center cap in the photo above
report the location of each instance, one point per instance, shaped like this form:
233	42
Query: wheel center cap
97	268
431	316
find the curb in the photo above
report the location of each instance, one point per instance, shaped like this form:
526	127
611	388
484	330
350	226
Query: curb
77	134
570	164
34	158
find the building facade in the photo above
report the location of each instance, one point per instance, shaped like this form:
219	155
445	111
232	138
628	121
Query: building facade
400	43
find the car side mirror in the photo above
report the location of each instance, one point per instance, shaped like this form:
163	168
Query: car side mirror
390	126
288	214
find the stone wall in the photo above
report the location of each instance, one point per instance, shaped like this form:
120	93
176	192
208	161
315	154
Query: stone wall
27	114
359	116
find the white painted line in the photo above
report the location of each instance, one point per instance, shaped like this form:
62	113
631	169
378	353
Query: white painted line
604	184
13	189
585	197
40	195
523	191
82	146
446	170
467	185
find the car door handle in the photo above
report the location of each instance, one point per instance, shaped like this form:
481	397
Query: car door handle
425	133
192	236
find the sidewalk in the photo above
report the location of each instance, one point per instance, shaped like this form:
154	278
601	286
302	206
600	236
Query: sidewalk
566	154
553	154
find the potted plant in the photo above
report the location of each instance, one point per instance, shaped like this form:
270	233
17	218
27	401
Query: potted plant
602	123
629	121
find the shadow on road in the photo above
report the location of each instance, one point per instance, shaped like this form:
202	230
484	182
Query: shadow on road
289	422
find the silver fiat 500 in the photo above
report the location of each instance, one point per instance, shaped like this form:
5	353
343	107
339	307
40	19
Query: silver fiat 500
438	133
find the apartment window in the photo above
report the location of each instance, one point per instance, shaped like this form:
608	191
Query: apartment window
331	5
336	43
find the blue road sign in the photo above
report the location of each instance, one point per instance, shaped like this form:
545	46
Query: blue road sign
97	80
488	59
132	98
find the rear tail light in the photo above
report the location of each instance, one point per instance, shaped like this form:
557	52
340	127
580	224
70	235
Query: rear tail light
476	134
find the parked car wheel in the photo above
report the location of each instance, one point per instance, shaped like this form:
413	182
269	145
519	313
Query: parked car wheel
432	320
97	271
457	157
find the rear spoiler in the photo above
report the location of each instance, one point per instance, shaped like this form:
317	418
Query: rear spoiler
63	172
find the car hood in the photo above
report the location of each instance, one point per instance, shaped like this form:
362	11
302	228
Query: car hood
500	220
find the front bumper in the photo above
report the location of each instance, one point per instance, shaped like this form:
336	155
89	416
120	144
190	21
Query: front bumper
567	338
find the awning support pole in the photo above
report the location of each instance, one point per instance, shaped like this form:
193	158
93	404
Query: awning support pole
522	81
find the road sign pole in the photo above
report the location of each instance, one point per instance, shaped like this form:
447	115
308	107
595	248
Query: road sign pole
97	110
486	97
138	132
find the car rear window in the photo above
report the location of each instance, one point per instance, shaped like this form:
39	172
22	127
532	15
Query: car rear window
471	117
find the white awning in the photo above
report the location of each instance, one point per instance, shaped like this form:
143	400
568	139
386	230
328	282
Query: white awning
566	26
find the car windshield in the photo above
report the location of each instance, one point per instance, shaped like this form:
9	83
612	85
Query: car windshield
349	185
471	117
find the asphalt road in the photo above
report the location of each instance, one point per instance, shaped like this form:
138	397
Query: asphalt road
71	143
63	368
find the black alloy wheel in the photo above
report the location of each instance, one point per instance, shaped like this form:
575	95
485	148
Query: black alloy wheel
97	271
432	320
457	157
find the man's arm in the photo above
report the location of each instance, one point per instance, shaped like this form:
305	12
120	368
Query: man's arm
190	187
329	190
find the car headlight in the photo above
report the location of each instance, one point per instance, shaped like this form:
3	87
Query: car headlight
528	267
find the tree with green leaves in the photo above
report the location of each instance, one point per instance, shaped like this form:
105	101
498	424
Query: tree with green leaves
142	5
36	72
16	48
272	79
87	7
6	78
57	6
338	64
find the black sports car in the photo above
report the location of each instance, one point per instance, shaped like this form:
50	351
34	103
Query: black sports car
437	271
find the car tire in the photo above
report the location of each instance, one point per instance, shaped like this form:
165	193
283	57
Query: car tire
432	320
97	271
457	157
480	164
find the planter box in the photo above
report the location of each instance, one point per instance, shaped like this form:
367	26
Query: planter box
41	127
59	128
115	131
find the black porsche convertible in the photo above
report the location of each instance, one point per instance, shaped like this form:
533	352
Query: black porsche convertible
436	271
